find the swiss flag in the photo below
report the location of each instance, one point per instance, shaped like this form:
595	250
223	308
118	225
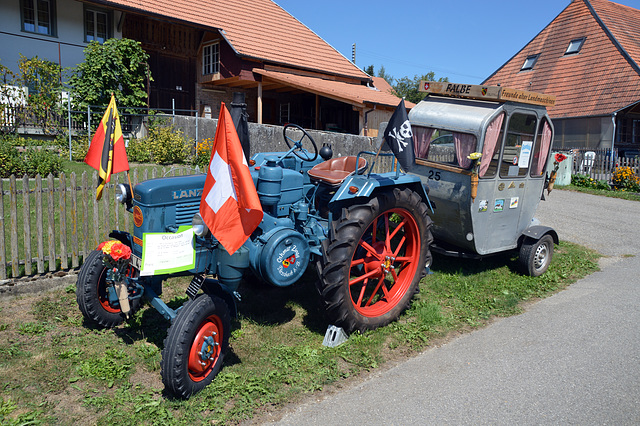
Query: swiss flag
230	205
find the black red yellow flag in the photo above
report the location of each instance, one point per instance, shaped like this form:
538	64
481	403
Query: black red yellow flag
107	152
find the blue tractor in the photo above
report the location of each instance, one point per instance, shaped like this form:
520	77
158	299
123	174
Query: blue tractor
367	234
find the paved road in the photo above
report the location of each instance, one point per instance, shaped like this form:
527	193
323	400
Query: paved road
573	358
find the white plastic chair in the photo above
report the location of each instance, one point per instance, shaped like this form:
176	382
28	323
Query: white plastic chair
587	161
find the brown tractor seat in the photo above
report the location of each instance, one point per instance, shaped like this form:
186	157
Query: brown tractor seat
333	172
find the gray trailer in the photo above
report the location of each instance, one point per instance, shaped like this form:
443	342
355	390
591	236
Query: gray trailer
486	205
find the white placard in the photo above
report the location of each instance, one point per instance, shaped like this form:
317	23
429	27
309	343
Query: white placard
165	253
525	154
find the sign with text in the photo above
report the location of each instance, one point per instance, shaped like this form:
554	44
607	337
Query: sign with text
166	252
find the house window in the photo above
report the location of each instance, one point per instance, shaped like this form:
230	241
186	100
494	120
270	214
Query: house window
575	46
211	59
38	16
530	62
97	25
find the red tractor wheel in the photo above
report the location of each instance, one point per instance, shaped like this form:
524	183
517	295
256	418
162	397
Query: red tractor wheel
374	260
195	345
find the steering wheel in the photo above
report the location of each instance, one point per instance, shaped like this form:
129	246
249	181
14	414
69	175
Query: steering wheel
302	154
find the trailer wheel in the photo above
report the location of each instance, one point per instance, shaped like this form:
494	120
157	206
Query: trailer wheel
91	294
535	255
374	260
195	345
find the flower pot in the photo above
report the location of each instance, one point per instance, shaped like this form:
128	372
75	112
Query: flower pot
474	187
552	179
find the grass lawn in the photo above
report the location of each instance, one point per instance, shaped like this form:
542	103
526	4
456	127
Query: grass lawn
57	370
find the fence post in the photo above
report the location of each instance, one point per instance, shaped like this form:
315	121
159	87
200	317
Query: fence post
26	214
3	255
69	117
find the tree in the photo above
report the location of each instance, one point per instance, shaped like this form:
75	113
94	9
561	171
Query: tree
409	88
117	66
383	73
369	70
43	80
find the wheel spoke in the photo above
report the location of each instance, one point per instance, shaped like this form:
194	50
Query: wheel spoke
364	277
400	244
375	291
362	290
370	250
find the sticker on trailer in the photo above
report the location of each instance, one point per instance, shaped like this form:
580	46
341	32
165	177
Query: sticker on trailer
484	205
498	206
514	202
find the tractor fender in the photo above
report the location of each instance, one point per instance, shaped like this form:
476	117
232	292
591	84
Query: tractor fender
214	288
538	231
366	185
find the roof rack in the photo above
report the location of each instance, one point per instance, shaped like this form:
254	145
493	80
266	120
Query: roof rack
492	93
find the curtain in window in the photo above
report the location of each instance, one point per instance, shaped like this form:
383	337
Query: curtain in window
421	139
490	141
464	144
545	144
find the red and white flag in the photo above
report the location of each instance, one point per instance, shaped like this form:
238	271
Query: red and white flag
230	205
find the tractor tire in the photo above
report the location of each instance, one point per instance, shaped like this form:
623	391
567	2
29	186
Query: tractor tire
535	255
374	259
91	294
195	345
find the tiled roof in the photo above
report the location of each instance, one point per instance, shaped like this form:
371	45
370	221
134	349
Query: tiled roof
603	77
257	29
354	94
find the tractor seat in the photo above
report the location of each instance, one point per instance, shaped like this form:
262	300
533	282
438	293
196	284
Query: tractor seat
333	172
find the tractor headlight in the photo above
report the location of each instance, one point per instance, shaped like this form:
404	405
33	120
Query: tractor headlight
123	193
199	227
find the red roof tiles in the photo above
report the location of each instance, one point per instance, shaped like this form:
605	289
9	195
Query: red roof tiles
257	29
603	77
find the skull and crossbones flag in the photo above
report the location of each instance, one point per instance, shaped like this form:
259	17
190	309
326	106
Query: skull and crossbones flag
399	137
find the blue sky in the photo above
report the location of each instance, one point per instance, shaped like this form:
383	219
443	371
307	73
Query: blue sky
463	40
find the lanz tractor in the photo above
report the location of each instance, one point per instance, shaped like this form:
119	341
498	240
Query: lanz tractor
482	151
367	234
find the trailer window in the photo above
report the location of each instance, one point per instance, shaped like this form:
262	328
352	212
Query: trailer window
518	145
443	146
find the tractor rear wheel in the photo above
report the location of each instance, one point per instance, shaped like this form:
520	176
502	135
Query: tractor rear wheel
92	297
195	345
374	259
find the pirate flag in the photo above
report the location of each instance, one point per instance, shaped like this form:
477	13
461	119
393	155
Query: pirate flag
399	137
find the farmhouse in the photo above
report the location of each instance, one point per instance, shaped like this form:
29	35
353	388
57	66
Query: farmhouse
589	58
202	52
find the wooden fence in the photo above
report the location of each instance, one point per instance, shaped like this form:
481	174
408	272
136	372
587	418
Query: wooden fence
51	224
602	165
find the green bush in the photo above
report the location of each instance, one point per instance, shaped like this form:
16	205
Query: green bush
79	147
34	157
588	182
167	145
138	151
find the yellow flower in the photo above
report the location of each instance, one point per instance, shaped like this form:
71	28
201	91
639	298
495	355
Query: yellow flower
474	156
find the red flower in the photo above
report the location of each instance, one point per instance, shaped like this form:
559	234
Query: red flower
120	251
560	157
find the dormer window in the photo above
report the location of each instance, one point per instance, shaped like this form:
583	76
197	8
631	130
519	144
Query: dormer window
530	62
575	46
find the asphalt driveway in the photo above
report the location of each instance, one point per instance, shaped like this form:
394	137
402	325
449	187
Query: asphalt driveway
573	358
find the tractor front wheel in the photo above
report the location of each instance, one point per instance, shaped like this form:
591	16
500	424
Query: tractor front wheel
92	296
195	345
374	259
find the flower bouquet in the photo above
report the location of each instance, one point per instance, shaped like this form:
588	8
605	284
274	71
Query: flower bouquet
475	169
557	159
115	258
